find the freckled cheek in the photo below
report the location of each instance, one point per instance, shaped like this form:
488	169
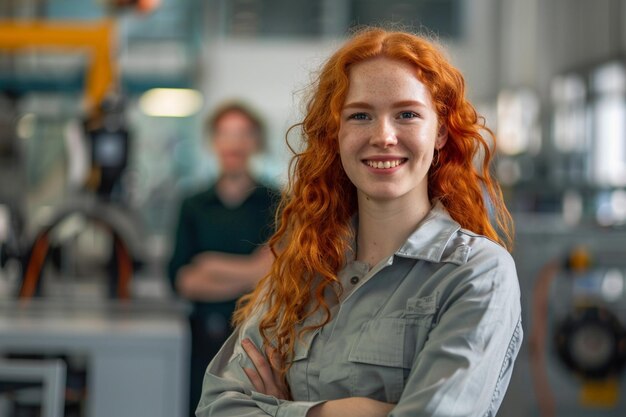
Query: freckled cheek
355	136
347	159
348	144
419	140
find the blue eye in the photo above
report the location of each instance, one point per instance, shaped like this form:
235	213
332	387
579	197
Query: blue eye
408	115
359	116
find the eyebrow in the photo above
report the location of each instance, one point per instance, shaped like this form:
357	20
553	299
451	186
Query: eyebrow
364	105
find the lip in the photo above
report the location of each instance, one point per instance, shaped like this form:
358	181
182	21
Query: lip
383	158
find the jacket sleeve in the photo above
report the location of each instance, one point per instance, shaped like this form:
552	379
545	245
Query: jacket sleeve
227	392
466	363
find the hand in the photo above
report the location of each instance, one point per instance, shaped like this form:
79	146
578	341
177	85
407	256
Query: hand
264	377
351	407
188	280
242	270
197	282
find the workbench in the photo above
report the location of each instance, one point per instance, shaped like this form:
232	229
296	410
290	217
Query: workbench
136	352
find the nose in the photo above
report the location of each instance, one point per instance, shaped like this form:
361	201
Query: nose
383	134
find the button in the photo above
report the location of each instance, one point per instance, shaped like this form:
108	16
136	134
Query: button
354	280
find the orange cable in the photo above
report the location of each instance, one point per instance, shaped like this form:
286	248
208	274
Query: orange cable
538	336
34	266
125	270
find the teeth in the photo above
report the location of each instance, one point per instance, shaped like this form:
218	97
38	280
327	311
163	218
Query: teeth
384	164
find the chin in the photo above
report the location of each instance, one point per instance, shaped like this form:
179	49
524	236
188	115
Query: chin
234	168
382	195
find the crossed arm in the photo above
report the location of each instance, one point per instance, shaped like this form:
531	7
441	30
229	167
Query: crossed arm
462	369
265	379
216	276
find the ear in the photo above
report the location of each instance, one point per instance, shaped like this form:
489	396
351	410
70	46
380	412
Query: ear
442	137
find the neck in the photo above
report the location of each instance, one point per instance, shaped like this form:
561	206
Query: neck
385	225
233	188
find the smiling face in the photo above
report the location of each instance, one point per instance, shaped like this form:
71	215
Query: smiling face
388	131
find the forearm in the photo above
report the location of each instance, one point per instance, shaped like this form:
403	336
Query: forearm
242	271
214	291
246	270
214	276
351	407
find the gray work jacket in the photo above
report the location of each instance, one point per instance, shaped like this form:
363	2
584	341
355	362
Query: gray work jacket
435	328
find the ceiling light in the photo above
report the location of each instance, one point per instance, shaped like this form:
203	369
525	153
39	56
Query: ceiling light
171	102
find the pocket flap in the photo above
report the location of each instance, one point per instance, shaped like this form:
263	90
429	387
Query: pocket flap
422	305
380	342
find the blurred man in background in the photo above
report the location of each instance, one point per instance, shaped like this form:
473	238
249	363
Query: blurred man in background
219	251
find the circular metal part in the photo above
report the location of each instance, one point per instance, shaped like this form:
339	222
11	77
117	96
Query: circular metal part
591	341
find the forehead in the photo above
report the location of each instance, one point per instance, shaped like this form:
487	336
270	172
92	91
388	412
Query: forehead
387	78
233	118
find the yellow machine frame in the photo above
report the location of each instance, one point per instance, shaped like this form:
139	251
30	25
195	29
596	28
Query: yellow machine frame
95	37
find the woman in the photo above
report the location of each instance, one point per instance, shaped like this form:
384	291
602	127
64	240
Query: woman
391	292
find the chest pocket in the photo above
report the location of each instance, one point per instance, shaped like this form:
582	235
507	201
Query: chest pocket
383	354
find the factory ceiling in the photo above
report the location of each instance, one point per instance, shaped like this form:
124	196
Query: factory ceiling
161	47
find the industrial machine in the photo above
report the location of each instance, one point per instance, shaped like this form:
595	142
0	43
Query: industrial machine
568	195
578	331
69	279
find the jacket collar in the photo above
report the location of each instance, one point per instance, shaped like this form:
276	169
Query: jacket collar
436	239
433	241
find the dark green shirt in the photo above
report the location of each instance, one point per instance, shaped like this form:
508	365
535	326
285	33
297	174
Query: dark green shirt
206	224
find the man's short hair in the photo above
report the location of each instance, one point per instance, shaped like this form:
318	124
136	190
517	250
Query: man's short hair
212	120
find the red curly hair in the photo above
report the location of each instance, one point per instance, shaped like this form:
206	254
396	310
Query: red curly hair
313	221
